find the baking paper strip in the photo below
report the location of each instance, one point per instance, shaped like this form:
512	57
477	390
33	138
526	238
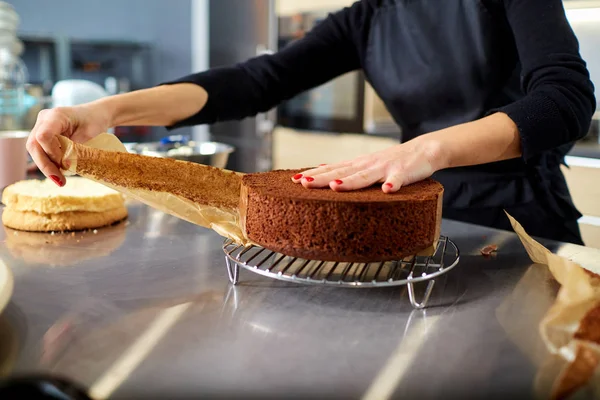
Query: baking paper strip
570	326
225	222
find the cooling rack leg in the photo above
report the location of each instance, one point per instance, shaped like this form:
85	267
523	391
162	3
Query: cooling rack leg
233	271
411	295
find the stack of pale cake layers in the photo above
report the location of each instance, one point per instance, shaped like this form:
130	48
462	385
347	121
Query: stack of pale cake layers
41	206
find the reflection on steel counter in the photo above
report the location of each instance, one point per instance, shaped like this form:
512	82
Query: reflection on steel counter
162	303
65	248
9	346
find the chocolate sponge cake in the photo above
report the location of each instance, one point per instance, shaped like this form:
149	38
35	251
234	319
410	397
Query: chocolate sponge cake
358	226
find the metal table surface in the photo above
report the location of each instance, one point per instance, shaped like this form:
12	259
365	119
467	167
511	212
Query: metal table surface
145	310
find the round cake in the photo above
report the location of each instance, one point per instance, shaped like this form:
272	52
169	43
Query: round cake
358	226
41	206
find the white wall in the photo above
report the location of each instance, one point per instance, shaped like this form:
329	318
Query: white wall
586	24
287	7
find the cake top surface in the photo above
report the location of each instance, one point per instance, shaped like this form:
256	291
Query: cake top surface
45	197
279	184
75	187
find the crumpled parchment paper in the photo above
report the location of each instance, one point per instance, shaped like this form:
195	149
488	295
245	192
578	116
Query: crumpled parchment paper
568	356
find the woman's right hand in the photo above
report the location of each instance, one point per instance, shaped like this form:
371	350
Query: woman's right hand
158	106
79	123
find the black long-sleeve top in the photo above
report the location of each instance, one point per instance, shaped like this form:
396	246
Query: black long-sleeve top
435	63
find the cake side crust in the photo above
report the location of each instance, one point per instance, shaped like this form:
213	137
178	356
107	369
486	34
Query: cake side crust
380	227
430	251
68	221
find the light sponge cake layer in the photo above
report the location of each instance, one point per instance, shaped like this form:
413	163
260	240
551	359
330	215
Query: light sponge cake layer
65	221
44	197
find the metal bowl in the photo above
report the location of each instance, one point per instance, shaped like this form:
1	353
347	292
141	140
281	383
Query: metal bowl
208	153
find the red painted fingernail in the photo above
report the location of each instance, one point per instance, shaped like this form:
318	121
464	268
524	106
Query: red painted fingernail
389	185
298	176
309	179
56	180
322	165
339	181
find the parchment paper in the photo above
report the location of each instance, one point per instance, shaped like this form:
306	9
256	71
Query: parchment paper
570	328
223	221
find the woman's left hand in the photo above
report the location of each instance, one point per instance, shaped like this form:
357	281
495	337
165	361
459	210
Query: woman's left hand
493	138
394	167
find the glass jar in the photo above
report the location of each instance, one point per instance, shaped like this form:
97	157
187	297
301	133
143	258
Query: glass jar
13	77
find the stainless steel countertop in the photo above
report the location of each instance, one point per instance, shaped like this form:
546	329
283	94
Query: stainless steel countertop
156	292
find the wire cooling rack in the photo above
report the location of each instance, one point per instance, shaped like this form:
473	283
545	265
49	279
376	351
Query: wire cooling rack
410	270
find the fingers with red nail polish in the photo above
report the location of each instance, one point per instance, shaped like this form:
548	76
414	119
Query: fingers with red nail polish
57	180
392	184
359	179
336	184
309	182
391	168
324	176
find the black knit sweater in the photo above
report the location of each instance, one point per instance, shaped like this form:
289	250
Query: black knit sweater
527	39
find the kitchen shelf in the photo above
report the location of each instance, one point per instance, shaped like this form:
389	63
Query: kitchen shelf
50	58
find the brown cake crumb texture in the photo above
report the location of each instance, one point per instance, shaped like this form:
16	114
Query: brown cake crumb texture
577	374
595	277
199	183
589	327
358	226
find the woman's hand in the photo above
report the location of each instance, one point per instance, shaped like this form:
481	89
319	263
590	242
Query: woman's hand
80	124
394	167
493	138
158	106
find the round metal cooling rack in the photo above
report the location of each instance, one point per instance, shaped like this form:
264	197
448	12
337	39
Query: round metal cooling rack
410	270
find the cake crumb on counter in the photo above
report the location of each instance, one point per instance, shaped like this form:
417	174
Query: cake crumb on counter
489	250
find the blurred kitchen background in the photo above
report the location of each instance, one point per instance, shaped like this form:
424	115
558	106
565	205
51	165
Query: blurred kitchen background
74	51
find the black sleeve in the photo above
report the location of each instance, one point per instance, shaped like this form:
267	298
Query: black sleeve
559	101
259	84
